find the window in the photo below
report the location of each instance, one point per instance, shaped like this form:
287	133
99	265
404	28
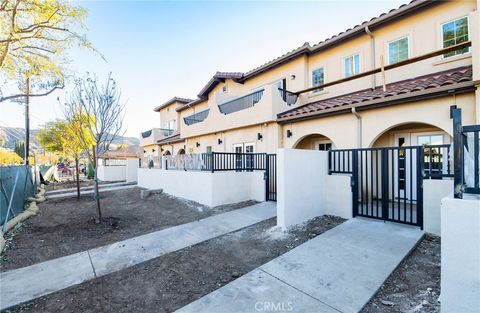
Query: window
318	78
398	50
430	140
170	125
454	33
324	146
209	149
224	89
352	65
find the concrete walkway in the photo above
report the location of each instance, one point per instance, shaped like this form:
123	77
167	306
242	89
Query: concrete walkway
101	185
89	191
25	284
338	271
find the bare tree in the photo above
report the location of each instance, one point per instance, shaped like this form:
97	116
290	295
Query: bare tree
97	108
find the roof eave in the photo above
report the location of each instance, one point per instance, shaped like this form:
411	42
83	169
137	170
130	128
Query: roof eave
383	102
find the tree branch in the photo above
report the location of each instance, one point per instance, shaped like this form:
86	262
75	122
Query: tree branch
2	99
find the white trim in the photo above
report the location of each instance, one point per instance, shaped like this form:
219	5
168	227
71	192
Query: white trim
399	38
236	145
252	144
441	35
351	56
324	78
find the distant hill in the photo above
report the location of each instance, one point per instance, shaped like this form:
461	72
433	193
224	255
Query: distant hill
8	136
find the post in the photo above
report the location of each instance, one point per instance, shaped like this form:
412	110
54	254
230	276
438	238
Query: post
385	186
420	165
27	121
354	182
456	115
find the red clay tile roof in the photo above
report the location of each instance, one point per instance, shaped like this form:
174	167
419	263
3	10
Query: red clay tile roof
171	139
307	49
403	89
174	99
217	78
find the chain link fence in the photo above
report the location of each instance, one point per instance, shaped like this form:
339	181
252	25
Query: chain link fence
16	185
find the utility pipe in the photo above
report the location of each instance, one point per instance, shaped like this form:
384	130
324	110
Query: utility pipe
359	127
372	47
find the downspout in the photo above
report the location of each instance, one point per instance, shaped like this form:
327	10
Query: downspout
359	127
372	48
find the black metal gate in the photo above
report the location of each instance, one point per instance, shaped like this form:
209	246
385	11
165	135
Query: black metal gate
387	183
271	177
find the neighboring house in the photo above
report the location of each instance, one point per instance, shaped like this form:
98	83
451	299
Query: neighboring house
120	164
408	105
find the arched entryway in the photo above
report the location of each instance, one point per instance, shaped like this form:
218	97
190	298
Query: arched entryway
167	152
411	134
181	151
314	142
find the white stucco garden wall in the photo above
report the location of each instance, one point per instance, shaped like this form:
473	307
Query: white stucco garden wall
300	185
112	173
338	195
207	188
434	190
131	170
460	246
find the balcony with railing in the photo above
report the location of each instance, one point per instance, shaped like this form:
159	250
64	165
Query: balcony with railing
153	135
241	103
287	96
196	118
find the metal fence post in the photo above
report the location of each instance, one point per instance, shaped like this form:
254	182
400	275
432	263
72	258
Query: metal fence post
212	163
10	201
458	178
354	182
420	165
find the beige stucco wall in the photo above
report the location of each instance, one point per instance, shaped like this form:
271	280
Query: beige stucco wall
246	135
169	113
343	129
424	32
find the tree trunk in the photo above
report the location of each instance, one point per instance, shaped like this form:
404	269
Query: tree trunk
77	177
95	184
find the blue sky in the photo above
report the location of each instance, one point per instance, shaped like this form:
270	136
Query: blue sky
157	50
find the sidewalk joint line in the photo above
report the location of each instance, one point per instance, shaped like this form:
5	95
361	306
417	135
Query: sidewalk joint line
300	290
91	263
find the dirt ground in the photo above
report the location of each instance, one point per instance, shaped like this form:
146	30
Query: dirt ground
67	226
415	285
171	281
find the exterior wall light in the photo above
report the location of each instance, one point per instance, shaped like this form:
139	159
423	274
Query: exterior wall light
289	133
259	136
220	141
198	144
292	77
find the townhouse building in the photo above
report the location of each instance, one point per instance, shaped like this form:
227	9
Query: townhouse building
272	106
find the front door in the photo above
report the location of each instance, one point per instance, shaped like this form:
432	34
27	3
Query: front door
238	150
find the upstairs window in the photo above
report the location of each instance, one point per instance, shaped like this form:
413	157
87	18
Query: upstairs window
318	78
398	50
454	33
352	65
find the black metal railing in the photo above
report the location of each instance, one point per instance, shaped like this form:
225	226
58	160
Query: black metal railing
437	162
196	118
466	141
289	97
217	162
241	103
